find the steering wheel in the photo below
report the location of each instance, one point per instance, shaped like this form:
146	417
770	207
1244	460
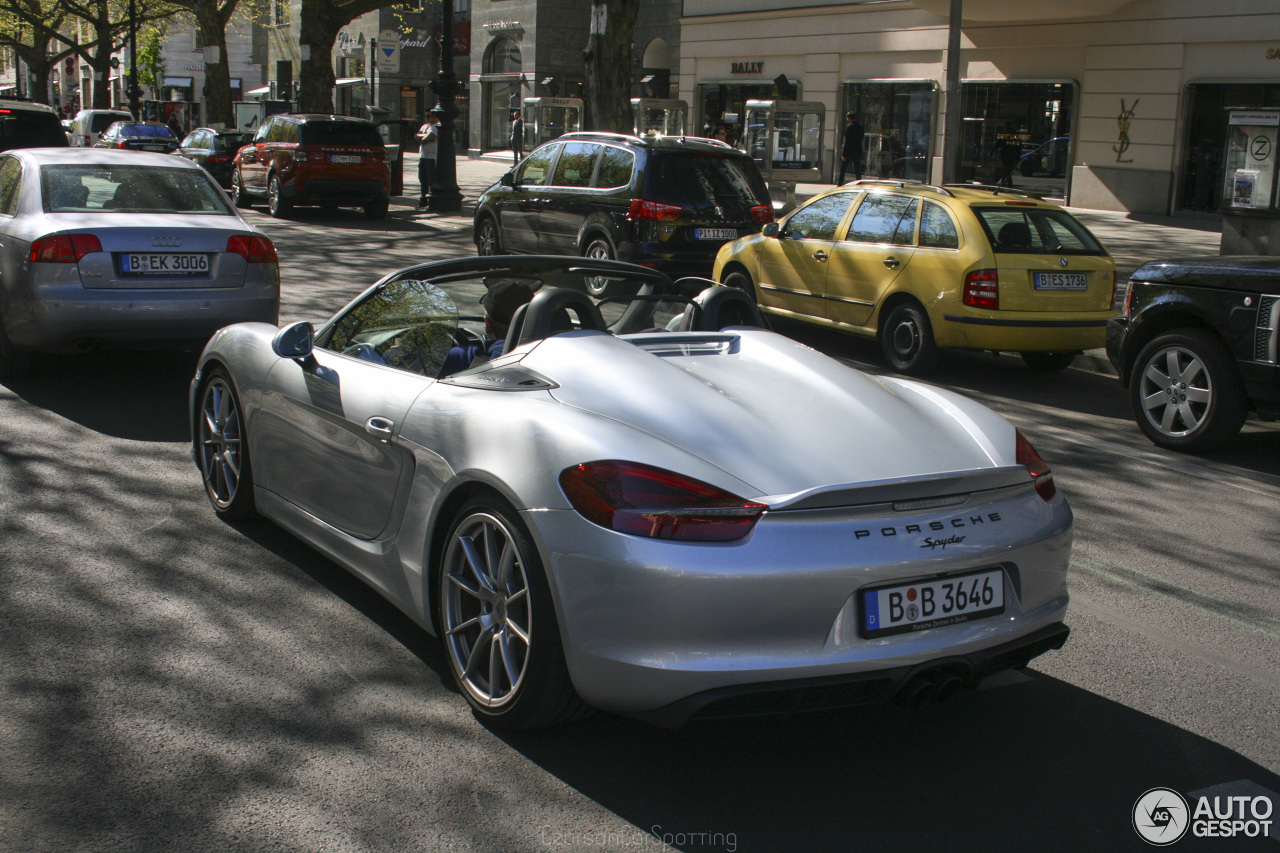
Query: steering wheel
466	337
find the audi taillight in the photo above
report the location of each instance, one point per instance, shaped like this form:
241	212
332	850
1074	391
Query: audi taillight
254	249
653	210
645	501
1039	469
982	289
63	248
762	214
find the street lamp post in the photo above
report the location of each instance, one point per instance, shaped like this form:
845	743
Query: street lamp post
445	196
135	105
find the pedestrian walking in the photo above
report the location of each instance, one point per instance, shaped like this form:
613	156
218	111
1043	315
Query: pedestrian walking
427	137
851	148
175	127
517	136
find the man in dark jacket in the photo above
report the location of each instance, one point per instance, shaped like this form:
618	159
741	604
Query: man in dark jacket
851	149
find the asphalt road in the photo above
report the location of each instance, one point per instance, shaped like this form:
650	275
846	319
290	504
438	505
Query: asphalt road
172	683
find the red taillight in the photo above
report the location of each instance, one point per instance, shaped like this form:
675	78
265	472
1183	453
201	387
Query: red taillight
1040	473
762	214
88	142
1129	298
218	158
645	501
63	248
982	289
255	250
653	210
122	144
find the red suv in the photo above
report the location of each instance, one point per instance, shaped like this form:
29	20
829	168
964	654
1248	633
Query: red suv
326	160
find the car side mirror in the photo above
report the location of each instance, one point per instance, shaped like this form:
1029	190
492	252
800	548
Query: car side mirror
294	341
771	230
508	180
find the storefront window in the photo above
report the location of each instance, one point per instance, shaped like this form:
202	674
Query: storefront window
897	119
1216	147
724	105
500	97
1017	134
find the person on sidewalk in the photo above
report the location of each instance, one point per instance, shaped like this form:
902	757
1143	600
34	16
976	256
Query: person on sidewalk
851	149
427	157
517	136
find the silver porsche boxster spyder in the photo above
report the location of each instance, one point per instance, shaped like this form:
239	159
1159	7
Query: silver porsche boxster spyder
648	503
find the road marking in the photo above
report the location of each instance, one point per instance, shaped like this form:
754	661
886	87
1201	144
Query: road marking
1217	607
1243	788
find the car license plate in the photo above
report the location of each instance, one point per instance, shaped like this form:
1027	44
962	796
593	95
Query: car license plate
345	158
715	234
164	264
1061	281
153	147
931	604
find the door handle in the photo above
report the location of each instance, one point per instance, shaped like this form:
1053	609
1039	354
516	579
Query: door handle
819	256
891	262
381	427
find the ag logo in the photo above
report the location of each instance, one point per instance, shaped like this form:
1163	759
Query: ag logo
1161	816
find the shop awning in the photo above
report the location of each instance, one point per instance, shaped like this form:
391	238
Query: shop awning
265	90
349	81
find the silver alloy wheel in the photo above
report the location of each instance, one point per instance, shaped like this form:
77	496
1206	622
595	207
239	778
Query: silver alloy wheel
1176	391
273	196
488	241
487	612
220	435
598	286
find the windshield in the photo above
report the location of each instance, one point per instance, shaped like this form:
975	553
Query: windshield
409	325
156	130
30	129
94	188
340	133
1036	231
233	141
704	180
101	121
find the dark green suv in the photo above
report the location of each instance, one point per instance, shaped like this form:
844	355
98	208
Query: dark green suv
665	202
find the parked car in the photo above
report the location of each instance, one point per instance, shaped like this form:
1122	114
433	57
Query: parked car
1050	157
138	136
648	504
923	268
214	149
119	247
1196	346
326	160
88	125
666	202
24	124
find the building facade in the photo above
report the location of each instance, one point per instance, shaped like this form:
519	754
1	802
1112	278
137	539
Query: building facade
1151	106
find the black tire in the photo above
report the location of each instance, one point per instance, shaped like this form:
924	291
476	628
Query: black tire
483	617
742	281
238	194
906	338
488	240
1200	408
377	209
1049	362
1026	168
599	248
15	362
222	448
277	205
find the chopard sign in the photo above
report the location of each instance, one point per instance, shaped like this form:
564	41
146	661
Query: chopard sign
934	527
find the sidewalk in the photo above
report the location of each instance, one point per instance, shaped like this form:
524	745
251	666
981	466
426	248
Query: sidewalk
1132	239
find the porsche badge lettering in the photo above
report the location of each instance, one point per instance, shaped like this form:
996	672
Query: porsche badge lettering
932	526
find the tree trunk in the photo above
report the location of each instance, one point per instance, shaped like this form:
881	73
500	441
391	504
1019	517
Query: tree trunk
607	61
316	75
101	63
217	75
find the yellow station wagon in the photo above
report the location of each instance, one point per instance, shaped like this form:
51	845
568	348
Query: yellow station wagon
923	268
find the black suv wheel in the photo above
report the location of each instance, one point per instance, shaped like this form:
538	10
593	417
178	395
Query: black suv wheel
1186	393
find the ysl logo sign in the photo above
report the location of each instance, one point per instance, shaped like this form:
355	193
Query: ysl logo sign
1122	121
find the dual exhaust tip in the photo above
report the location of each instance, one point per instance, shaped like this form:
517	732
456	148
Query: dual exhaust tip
934	686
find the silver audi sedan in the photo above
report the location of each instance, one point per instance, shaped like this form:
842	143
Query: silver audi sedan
647	503
122	247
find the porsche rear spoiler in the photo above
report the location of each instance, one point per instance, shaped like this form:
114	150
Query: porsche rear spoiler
906	493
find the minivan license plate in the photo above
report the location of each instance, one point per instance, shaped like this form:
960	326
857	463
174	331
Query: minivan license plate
931	604
164	264
1061	281
715	234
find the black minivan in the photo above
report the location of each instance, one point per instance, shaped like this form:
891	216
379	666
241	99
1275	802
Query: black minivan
665	202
